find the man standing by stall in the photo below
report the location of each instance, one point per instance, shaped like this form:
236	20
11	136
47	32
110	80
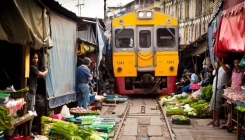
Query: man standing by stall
84	77
223	78
236	82
32	83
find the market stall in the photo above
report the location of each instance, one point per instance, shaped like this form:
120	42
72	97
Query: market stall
78	123
229	37
13	113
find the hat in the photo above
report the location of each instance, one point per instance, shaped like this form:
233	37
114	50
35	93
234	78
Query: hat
86	61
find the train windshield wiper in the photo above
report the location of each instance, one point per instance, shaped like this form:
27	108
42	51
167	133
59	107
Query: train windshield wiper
119	31
170	32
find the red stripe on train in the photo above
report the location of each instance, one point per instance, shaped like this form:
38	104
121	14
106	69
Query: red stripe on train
120	84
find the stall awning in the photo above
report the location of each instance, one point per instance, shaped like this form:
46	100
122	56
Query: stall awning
201	49
230	35
24	22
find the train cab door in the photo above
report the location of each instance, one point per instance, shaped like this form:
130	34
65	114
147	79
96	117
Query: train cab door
145	48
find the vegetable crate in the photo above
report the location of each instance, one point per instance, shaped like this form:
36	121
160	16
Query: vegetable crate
91	98
240	103
180	121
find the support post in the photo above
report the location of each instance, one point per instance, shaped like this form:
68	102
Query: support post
104	10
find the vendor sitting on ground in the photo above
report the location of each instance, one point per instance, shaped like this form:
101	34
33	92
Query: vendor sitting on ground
236	82
209	77
194	80
184	82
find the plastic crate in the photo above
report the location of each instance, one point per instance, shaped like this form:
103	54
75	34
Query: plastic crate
240	103
18	94
195	86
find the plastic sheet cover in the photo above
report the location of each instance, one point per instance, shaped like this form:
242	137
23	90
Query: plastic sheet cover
24	22
212	28
231	31
61	79
100	35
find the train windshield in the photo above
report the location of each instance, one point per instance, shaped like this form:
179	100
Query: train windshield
124	38
165	37
145	38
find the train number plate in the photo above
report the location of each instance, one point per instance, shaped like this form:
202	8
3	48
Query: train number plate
120	62
170	62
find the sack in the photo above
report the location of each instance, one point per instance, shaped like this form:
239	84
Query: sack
83	48
242	62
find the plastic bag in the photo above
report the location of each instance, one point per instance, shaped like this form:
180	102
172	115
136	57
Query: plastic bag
10	88
65	112
242	62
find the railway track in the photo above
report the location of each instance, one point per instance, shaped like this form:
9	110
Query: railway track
143	119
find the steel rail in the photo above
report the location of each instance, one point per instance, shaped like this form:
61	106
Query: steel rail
120	125
166	119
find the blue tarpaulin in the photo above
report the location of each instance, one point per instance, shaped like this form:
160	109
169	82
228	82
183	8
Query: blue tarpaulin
122	11
100	43
61	78
211	41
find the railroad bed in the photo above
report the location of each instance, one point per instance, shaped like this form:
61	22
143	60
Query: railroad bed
141	118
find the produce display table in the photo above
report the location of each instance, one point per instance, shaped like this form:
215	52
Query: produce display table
236	101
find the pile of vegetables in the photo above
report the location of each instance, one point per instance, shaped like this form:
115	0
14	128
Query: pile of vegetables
180	117
173	110
207	92
201	108
5	119
58	129
91	134
189	110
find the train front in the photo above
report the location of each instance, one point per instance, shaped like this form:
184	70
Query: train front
145	52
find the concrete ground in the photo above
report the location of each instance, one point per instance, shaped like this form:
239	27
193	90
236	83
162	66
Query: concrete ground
199	130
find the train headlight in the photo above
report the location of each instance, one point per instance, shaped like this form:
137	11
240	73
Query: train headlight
149	14
119	69
171	68
141	14
145	14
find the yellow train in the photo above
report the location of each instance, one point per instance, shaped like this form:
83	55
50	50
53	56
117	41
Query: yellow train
145	52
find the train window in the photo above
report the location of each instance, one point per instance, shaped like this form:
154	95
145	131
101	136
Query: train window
165	37
145	38
124	38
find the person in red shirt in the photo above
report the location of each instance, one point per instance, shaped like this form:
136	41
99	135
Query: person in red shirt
236	82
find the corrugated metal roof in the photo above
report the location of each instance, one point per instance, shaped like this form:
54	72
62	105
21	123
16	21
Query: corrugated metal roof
87	35
54	5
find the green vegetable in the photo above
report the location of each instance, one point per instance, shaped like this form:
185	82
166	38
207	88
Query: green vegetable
5	119
207	92
23	89
59	129
180	117
201	108
91	134
174	110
